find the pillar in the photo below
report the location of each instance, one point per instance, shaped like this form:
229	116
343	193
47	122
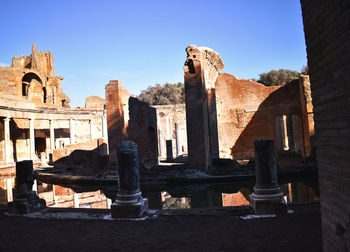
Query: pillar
108	203
178	139
129	202
105	128
159	143
162	146
35	185
76	202
72	131
52	136
202	68
32	138
169	150
267	197
285	133
7	139
9	189
92	133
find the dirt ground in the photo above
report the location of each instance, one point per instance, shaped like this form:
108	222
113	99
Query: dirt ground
180	231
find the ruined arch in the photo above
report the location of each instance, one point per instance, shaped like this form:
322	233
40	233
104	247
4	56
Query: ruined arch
33	88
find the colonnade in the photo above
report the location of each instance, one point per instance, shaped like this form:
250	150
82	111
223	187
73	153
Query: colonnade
31	121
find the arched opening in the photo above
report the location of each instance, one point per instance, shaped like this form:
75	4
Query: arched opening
32	88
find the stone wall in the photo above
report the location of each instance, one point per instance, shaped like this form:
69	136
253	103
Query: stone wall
95	102
224	115
130	119
95	144
327	35
142	129
247	111
117	104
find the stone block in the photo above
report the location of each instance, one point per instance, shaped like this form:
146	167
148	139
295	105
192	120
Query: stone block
136	210
268	205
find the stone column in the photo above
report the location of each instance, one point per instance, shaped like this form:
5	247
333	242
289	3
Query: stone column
32	138
92	133
9	189
285	133
169	150
52	136
108	203
178	140
129	203
72	131
267	197
162	141
105	128
7	139
76	202
35	185
159	142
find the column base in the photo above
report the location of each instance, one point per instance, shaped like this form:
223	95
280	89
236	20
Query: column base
24	204
127	210
268	203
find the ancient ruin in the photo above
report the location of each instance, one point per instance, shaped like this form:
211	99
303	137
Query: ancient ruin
131	119
202	68
129	202
225	115
36	120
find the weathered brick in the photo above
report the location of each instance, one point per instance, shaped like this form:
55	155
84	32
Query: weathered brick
327	34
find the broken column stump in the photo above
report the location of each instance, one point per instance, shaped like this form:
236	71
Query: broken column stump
129	202
26	200
267	197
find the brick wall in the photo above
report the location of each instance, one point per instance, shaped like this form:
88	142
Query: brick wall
327	35
130	119
247	111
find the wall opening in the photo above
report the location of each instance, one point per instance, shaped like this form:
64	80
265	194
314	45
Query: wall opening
25	88
288	134
32	88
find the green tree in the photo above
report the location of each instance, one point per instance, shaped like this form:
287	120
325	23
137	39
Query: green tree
278	77
305	69
164	94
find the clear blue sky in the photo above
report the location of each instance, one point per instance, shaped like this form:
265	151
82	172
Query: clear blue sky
143	42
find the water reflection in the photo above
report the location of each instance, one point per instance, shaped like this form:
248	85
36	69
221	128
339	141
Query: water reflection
162	197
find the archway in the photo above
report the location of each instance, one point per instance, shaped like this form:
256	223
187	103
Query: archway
33	88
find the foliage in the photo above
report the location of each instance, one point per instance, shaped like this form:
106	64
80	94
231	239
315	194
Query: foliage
278	77
164	94
305	70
